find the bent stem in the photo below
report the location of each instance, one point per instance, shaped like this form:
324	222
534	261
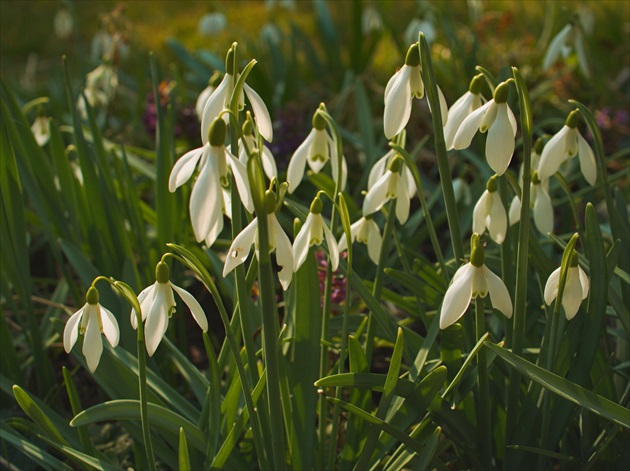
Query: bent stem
483	397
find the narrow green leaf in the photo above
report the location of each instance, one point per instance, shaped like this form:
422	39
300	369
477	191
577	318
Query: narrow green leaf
37	415
184	459
75	404
42	458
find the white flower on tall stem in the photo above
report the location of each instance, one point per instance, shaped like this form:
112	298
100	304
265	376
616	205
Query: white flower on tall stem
366	231
248	142
312	233
391	185
382	165
489	213
405	85
100	87
278	242
471	280
220	100
497	119
466	104
317	149
206	197
540	202
571	36
157	304
205	94
576	287
91	320
565	144
41	130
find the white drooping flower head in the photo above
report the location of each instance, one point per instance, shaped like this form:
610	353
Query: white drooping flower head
382	165
220	101
490	214
405	85
206	198
157	304
541	205
576	287
566	144
278	242
313	232
211	24
248	142
365	231
391	185
466	104
205	94
497	119
41	130
471	280
100	87
91	320
570	37
317	149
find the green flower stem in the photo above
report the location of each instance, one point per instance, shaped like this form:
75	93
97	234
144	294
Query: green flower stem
440	149
378	279
483	397
323	367
507	271
520	297
569	193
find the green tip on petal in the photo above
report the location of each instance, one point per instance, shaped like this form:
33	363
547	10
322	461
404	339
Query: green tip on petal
572	119
413	56
162	273
492	184
316	205
217	132
92	295
319	122
270	201
475	84
501	92
395	165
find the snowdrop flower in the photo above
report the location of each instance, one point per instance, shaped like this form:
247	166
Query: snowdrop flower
466	104
497	118
41	130
462	191
220	100
569	37
317	149
100	87
366	231
404	85
565	144
91	320
278	241
211	24
490	214
381	166
540	203
472	280
63	23
390	186
417	25
371	21
248	140
157	304
206	197
206	93
576	287
312	233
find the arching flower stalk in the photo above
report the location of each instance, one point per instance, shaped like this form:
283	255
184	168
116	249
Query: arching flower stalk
157	304
566	144
207	194
91	320
312	233
472	280
497	119
490	214
405	85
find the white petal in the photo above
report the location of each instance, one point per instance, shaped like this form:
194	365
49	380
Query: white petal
490	116
269	163
301	243
456	115
379	168
239	170
512	120
261	113
551	287
110	327
284	252
584	282
580	50
572	297
377	195
457	297
214	106
499	295
397	103
333	249
205	200
443	106
200	104
195	308
587	161
469	127
157	321
145	299
92	343
498	223
215	230
480	213
500	142
553	154
71	331
514	214
543	211
402	202
239	250
374	241
553	51
184	168
295	172
319	152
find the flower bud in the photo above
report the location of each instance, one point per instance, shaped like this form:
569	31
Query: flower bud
319	122
475	84
492	185
316	205
572	119
501	92
413	56
217	132
395	165
162	273
476	251
92	295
